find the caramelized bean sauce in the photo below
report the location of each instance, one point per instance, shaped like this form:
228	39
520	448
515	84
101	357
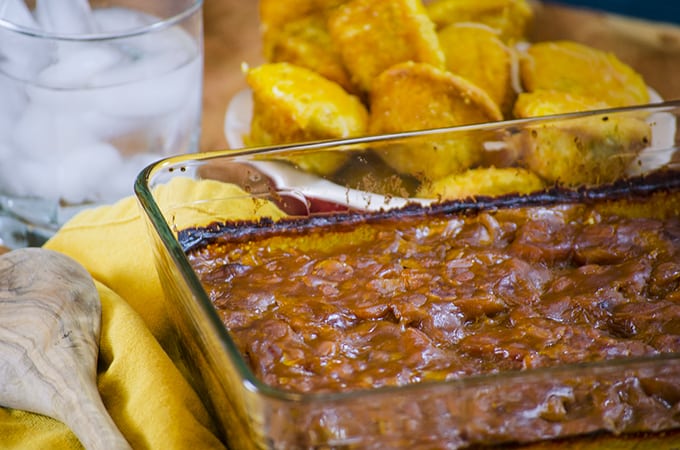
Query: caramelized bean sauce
405	300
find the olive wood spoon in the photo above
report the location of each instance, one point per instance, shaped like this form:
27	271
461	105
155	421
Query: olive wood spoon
50	318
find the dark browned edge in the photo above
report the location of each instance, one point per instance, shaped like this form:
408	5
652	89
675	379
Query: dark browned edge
630	189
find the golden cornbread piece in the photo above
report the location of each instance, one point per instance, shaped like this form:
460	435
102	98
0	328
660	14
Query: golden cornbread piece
294	104
327	6
474	51
547	102
306	43
275	15
578	69
484	181
510	17
417	96
373	35
590	150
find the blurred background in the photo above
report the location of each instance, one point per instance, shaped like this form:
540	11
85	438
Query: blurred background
661	10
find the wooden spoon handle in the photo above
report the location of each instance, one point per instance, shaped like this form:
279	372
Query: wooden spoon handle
90	422
50	315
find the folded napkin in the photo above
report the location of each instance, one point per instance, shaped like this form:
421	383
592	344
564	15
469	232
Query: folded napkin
144	392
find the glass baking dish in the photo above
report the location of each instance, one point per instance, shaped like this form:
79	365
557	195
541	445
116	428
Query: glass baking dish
183	197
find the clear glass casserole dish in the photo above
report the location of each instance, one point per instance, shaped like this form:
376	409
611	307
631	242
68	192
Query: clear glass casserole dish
628	153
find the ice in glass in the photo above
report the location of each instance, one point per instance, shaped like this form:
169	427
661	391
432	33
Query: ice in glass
89	95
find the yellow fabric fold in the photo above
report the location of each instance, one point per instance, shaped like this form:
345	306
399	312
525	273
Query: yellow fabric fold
144	392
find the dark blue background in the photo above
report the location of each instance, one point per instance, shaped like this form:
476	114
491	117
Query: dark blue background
661	10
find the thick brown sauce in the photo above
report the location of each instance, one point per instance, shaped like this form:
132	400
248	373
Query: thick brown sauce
434	298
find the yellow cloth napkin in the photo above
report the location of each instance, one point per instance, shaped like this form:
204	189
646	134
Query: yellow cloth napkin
144	392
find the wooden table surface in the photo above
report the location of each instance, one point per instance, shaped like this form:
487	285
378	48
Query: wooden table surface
232	38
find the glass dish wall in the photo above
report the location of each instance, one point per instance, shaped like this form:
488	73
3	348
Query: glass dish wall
624	153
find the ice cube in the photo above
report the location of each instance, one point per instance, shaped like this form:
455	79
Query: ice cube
172	39
70	17
59	100
22	55
142	66
5	150
12	103
16	12
105	127
85	172
43	135
66	114
154	85
24	177
76	68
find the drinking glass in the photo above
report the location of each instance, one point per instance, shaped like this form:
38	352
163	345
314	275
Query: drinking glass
91	93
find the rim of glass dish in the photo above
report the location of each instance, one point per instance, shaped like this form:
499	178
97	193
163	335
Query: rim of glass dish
156	219
87	37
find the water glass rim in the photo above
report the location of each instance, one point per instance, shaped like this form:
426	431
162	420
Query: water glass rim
84	37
